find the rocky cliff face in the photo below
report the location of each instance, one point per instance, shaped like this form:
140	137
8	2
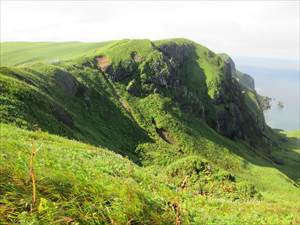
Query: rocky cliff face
234	117
245	79
200	83
167	70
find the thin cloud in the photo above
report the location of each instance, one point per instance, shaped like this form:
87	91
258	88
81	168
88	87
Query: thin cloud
260	29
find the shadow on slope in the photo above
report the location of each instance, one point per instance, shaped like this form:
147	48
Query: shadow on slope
78	105
284	154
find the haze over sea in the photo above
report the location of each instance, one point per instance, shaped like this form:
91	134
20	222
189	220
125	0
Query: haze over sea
277	79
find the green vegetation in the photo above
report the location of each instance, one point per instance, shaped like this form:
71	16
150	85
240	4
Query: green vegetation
16	53
294	133
139	132
75	182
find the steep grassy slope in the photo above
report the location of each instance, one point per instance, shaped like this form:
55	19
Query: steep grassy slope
75	183
167	106
191	75
79	183
79	107
89	180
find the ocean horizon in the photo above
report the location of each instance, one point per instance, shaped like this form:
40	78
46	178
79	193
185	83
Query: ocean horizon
279	80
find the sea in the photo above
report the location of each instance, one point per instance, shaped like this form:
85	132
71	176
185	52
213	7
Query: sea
279	80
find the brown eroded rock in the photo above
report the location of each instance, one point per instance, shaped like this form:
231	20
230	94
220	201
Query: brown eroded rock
63	116
103	63
136	57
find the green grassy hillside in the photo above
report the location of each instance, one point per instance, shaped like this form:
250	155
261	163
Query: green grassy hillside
140	132
15	53
79	183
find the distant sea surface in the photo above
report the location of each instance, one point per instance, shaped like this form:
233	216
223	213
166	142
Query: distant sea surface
279	79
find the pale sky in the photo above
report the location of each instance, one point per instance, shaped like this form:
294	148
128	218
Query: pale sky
255	29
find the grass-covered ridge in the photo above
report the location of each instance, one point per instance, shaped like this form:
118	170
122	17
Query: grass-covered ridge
16	53
161	133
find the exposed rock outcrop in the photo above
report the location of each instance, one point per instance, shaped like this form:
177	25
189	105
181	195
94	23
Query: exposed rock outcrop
165	70
245	80
103	63
66	82
62	116
119	71
177	52
230	66
234	118
264	102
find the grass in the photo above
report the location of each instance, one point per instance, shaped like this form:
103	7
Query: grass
91	105
16	53
93	185
86	185
103	155
294	133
